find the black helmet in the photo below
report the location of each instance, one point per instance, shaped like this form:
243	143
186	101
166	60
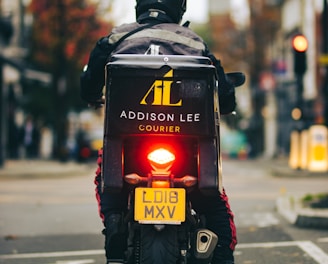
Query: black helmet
173	8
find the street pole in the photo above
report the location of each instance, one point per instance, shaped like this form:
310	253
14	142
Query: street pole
6	31
2	117
325	52
2	109
300	100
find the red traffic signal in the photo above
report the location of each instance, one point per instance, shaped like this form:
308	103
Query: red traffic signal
300	46
300	43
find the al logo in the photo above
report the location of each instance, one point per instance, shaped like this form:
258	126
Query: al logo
161	91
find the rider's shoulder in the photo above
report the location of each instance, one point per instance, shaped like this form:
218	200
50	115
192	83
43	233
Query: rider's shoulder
126	27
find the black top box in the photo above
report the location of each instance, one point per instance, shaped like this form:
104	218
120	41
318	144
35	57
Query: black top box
160	95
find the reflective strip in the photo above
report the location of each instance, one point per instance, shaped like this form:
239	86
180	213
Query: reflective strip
162	35
116	37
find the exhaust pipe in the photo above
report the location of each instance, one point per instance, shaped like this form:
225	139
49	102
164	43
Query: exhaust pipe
205	243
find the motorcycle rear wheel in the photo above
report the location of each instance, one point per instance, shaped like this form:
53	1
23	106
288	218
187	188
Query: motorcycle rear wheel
158	247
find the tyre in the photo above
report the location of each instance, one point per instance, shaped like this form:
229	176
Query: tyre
158	247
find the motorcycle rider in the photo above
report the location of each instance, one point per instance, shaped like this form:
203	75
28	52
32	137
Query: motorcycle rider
158	24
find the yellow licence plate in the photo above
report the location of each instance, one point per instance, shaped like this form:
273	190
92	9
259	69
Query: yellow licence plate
160	205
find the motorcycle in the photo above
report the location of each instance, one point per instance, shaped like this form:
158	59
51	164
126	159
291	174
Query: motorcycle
161	142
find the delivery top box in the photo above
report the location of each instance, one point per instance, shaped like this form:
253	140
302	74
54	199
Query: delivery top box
160	95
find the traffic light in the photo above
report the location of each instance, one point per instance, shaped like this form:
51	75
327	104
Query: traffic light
300	45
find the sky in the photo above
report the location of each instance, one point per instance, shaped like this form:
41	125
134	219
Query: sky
124	11
197	10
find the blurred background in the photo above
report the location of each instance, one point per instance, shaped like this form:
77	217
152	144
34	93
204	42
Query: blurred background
45	44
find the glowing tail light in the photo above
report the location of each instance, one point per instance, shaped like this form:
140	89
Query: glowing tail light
161	161
161	157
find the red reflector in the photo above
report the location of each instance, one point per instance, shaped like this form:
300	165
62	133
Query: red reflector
161	156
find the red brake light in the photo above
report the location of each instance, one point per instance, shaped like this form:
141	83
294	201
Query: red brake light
161	161
161	156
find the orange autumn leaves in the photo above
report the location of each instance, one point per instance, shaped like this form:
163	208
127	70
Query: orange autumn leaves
66	27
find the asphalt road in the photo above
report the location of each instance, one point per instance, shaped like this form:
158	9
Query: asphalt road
54	220
264	236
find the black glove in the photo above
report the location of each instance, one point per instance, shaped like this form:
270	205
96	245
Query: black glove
97	104
93	78
227	99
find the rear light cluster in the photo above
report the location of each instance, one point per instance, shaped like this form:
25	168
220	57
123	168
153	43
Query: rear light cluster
161	161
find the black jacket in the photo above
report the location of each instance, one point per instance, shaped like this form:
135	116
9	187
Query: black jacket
172	38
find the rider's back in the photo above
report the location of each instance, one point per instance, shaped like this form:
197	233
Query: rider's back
172	39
